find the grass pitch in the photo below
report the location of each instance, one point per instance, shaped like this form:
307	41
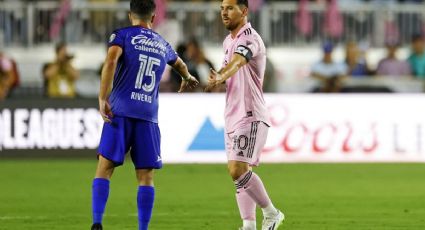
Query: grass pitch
56	194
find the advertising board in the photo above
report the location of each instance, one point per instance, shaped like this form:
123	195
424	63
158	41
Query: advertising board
304	128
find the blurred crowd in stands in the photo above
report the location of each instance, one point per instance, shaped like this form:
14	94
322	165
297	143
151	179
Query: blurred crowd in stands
330	73
59	76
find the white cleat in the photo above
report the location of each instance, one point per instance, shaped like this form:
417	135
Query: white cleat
272	223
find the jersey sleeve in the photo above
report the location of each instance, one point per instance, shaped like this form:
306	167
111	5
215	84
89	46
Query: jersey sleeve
248	47
171	55
116	39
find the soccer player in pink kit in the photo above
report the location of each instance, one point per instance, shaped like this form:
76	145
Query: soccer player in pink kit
246	115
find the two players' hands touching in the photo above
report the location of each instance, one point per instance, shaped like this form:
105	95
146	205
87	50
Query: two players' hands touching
214	80
105	110
188	83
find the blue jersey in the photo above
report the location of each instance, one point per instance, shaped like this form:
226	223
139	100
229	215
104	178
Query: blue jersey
139	71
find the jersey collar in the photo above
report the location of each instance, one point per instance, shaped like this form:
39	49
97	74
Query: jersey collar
246	26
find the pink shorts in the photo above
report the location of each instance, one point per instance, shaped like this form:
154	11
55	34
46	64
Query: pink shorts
246	143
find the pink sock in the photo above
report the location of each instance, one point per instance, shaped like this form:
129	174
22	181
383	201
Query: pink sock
254	187
246	205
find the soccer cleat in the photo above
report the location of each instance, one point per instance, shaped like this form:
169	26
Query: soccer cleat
272	223
96	227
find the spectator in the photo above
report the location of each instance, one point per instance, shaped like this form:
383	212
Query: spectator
329	73
417	58
60	75
390	65
6	76
356	64
199	65
174	81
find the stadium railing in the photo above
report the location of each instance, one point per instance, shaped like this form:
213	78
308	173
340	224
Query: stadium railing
35	23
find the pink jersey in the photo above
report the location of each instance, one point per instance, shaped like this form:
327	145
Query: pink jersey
244	97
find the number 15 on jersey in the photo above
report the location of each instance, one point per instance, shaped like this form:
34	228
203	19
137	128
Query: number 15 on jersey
146	70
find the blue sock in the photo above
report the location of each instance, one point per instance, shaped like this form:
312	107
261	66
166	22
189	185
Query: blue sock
145	198
100	193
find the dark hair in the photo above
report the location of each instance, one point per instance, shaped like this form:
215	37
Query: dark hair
242	2
194	42
59	46
143	8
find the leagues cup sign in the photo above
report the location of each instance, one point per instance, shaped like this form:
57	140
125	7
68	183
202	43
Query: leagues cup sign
35	128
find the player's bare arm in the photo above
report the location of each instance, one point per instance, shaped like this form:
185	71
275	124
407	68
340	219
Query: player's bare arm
72	72
108	71
50	71
188	81
217	78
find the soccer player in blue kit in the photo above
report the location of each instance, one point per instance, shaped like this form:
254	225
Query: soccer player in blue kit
135	62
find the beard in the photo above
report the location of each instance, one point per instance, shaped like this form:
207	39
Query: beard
231	26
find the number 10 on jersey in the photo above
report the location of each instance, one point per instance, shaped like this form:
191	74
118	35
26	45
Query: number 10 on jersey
146	70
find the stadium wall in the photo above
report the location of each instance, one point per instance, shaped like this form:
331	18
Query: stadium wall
304	128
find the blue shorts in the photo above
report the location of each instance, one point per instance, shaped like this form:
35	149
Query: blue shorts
141	137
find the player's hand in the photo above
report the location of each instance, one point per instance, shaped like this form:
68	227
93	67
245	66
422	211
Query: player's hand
213	75
105	110
213	80
188	83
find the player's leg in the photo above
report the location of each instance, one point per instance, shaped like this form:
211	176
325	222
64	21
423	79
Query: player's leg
100	190
272	216
251	189
247	145
112	148
248	181
245	203
145	197
251	184
146	156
